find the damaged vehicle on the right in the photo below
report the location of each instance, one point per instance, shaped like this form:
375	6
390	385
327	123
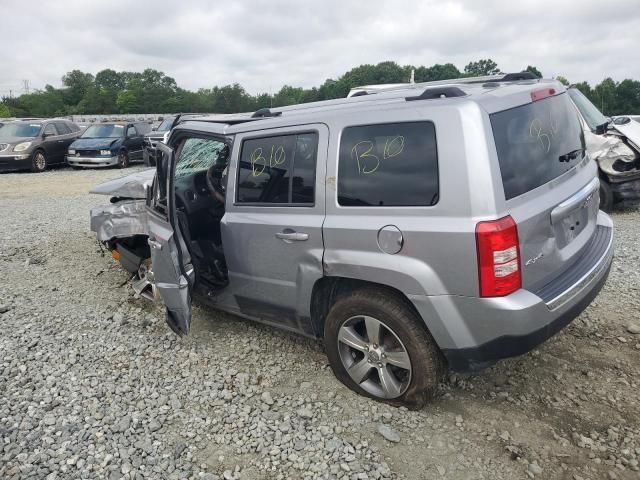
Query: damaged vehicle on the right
615	146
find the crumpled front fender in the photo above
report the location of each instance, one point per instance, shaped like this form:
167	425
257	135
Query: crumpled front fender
120	220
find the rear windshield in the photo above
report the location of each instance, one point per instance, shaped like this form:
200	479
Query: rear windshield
536	143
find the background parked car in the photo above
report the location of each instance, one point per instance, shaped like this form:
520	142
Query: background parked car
35	144
156	135
108	144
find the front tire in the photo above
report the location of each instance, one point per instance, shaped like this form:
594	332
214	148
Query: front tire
123	160
39	162
380	348
606	196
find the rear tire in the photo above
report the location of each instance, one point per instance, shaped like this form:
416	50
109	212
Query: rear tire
39	162
400	365
607	199
123	160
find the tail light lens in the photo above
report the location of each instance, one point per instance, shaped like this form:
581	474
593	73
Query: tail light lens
498	257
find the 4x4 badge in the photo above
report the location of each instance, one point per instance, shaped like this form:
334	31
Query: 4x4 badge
586	201
533	260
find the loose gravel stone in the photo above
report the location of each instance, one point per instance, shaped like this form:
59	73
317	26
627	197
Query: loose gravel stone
388	433
633	328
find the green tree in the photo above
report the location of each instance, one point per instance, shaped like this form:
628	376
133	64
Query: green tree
563	80
4	111
627	97
127	102
605	96
288	96
437	72
533	70
384	72
151	91
109	79
481	67
77	84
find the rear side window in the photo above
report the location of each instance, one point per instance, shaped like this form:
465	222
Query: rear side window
393	164
63	128
536	143
278	169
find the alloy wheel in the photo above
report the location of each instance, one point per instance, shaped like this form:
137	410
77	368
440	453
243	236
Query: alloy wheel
123	160
40	161
374	357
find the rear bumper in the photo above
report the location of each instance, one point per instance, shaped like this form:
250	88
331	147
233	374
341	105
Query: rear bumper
92	161
11	163
474	333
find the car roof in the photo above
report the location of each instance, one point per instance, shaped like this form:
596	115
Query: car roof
112	123
489	92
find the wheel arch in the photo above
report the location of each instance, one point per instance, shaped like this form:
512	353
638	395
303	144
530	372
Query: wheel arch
39	148
327	290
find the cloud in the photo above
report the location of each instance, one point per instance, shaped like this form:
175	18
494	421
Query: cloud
266	44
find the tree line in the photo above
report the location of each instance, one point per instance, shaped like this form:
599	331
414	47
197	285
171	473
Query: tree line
151	91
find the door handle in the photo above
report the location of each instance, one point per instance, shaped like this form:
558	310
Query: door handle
154	244
289	236
60	141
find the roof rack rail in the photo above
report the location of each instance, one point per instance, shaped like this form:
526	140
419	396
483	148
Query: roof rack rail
433	93
514	77
265	112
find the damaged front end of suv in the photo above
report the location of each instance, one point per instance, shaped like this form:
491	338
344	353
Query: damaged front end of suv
615	146
122	227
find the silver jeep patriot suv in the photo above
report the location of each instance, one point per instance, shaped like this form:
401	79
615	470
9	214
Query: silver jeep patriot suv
415	229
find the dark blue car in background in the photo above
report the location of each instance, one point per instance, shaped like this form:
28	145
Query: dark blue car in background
108	144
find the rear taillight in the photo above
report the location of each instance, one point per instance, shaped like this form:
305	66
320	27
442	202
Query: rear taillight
498	257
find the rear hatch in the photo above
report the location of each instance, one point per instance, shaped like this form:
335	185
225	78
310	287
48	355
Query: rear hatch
550	186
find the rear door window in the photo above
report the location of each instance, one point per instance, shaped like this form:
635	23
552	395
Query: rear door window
536	143
63	128
393	164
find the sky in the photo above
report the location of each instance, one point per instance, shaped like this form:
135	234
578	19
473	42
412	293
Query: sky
264	45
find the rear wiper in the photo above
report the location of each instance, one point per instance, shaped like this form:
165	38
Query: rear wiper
567	157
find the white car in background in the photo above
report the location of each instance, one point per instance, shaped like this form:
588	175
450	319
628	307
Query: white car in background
615	145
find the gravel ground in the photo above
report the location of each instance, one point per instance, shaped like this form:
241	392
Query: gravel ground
93	385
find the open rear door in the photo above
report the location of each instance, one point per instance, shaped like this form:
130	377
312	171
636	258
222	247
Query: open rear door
172	269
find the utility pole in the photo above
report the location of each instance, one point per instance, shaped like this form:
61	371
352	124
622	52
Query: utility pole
25	85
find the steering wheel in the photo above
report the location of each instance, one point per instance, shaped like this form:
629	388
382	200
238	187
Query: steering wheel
215	173
214	183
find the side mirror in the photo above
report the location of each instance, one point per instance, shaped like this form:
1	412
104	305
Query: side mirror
46	134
